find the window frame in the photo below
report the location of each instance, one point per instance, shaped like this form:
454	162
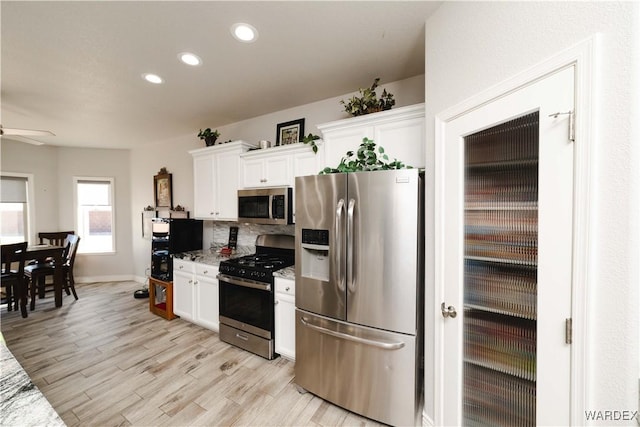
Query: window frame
106	179
30	234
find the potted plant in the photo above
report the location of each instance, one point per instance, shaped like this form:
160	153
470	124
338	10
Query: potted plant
209	136
367	158
311	140
368	102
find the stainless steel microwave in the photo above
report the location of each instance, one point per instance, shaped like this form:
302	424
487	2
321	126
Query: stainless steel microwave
266	205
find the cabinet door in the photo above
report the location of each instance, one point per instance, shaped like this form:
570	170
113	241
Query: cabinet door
278	171
252	173
267	171
206	298
505	251
226	185
183	295
203	192
338	142
285	318
403	140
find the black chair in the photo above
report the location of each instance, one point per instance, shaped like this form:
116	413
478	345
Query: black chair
54	238
37	273
14	281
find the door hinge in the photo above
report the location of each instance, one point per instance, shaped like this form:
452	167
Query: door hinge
568	331
572	123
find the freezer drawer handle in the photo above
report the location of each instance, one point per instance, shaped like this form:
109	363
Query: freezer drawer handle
379	344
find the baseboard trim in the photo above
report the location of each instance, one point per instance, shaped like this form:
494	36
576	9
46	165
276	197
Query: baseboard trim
117	278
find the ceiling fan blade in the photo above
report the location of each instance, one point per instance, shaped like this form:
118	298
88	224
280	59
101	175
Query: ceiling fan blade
25	132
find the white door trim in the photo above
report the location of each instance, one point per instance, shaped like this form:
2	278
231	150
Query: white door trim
584	56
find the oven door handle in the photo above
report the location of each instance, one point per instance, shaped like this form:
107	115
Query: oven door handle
244	282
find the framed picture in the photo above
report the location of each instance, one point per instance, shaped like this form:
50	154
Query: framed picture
163	191
290	132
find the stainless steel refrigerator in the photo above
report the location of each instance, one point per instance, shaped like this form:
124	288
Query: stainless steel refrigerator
360	291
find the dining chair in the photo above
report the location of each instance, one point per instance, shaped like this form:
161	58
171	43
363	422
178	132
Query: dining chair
13	280
37	273
54	238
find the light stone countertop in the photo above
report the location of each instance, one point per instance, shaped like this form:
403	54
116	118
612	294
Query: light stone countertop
286	273
22	404
212	257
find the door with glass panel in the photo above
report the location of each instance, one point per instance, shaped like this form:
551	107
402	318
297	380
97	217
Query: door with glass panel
506	212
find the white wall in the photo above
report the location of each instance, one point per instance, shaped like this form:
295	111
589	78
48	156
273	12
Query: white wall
146	162
471	46
53	169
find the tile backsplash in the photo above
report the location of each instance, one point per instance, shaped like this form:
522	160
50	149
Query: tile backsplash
216	233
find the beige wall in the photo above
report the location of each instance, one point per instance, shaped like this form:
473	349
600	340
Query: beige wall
53	169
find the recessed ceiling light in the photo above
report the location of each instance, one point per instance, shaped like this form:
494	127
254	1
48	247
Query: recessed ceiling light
244	32
152	78
190	58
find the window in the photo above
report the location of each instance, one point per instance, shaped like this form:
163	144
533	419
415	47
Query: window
94	214
14	208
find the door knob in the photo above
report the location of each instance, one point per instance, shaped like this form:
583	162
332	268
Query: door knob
448	311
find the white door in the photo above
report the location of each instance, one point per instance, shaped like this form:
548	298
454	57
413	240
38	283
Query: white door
553	94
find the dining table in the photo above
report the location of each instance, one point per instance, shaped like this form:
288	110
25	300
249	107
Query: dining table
42	253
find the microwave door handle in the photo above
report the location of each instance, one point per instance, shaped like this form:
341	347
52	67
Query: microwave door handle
271	206
339	242
350	232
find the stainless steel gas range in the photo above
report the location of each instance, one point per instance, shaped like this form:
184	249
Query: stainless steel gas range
247	295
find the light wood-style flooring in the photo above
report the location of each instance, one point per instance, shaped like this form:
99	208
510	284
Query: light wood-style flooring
105	360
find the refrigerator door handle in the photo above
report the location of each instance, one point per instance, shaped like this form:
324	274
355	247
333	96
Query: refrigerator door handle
337	264
350	279
379	344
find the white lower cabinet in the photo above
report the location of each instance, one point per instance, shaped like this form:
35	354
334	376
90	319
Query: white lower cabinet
183	277
195	293
285	318
207	296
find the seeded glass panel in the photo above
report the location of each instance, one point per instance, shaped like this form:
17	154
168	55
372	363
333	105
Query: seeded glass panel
500	274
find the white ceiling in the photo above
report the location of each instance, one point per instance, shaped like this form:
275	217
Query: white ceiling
75	68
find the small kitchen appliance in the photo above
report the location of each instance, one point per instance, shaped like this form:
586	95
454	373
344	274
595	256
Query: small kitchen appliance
271	206
360	291
172	236
247	295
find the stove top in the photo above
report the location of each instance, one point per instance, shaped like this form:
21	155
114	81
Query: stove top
267	259
262	261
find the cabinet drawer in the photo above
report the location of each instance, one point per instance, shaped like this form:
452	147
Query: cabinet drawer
181	265
206	270
285	286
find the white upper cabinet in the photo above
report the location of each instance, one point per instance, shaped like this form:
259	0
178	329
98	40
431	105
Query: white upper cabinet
401	131
278	166
216	175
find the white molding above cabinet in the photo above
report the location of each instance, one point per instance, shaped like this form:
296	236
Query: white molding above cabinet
401	131
216	178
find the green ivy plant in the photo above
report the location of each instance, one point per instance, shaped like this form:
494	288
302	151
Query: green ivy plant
311	140
367	158
368	101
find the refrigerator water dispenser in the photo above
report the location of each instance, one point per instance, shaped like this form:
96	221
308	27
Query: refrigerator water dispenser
315	254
